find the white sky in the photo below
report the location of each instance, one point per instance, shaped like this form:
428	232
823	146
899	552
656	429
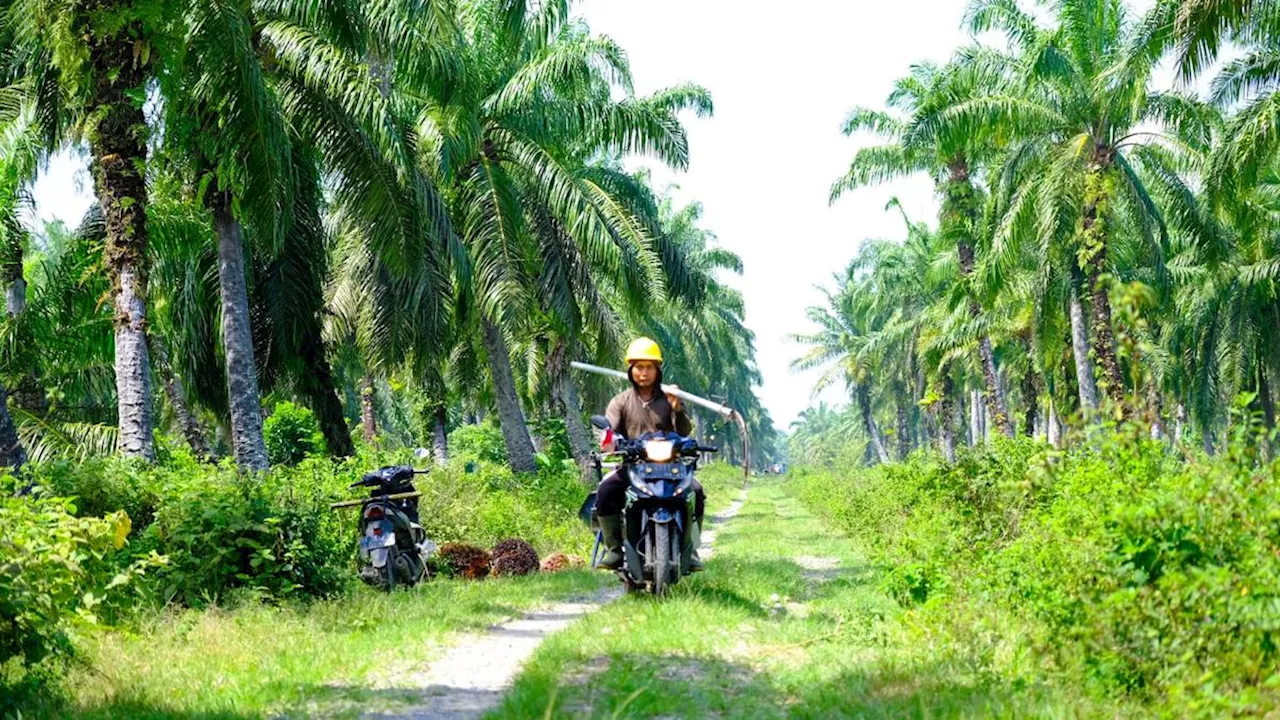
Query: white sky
782	77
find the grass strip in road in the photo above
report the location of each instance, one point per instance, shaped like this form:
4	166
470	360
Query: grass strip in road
787	622
332	658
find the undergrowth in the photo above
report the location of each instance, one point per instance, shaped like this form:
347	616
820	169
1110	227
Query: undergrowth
113	541
1117	566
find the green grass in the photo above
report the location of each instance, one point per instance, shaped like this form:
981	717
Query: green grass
789	621
767	633
722	483
293	661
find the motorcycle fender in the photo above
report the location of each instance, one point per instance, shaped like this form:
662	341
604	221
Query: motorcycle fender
587	513
634	567
374	546
663	515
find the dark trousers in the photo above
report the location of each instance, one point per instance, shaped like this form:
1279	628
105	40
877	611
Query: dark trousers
611	496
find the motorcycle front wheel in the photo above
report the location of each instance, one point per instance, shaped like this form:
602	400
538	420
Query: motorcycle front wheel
661	559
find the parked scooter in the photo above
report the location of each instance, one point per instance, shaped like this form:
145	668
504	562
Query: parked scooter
393	546
660	468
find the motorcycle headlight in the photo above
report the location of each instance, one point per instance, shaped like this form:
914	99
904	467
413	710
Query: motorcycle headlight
658	450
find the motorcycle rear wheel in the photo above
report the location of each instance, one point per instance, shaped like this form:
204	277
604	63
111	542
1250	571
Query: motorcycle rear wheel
389	570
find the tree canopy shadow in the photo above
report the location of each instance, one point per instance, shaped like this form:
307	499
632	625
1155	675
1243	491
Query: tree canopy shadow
648	685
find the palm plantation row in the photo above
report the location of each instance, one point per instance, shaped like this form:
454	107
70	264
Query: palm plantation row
417	209
1104	250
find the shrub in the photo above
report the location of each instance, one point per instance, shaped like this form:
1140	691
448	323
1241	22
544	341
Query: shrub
101	486
514	557
493	503
56	570
229	531
291	434
275	535
482	441
555	439
461	560
1124	566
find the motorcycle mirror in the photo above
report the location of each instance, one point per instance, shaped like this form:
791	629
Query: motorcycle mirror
422	453
601	422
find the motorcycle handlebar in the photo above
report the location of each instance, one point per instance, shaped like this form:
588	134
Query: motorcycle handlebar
374	480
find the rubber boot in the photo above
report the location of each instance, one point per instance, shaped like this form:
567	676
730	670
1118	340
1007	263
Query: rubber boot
611	538
692	541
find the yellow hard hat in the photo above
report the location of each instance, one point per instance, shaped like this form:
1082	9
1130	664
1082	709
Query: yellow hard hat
643	348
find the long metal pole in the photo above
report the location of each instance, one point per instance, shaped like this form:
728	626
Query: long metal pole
724	411
727	412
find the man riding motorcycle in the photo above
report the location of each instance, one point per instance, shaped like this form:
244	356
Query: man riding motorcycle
645	408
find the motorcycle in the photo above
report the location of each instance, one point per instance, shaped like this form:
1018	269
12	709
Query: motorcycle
393	546
660	468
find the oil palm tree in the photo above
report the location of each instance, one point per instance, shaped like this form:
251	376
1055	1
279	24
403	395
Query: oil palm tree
282	88
12	241
919	143
842	344
1086	94
95	90
507	143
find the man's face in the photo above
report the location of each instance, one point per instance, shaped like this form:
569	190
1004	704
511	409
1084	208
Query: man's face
644	373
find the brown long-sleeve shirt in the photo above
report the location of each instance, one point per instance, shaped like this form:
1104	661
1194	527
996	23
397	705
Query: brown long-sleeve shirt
633	417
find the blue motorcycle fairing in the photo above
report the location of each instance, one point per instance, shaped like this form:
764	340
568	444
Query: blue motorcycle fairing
660	480
663	514
680	442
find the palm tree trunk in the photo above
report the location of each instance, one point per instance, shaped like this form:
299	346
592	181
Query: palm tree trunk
1264	396
515	432
368	416
1030	396
1155	404
118	146
946	416
237	339
869	424
173	390
1179	423
12	454
994	396
15	295
579	438
1268	410
566	403
1093	243
1104	345
976	431
903	429
440	435
916	382
318	386
1080	351
959	215
1053	431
